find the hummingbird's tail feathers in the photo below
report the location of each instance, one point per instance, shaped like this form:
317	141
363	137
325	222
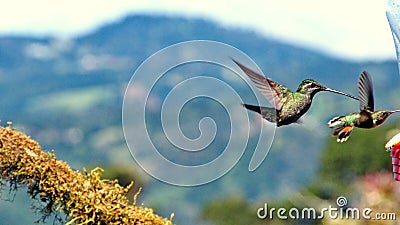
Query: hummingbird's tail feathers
252	108
340	128
395	111
343	133
266	112
299	121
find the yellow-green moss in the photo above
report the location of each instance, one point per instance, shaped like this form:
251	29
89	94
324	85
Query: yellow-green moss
84	197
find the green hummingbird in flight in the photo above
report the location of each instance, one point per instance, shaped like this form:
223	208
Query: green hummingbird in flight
289	106
367	118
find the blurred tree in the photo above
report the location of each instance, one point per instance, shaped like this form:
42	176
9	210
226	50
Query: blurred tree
359	169
231	210
342	163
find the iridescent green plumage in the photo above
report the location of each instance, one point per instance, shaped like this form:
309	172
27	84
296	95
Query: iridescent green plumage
366	118
288	106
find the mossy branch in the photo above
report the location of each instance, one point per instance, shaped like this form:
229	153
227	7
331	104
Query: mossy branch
84	197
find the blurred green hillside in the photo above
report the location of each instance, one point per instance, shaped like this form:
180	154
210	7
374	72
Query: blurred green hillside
67	94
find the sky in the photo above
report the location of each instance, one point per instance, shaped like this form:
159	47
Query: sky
349	29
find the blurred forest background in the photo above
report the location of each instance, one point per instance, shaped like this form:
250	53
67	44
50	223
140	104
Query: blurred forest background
67	94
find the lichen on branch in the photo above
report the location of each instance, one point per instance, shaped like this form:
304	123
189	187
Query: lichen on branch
84	197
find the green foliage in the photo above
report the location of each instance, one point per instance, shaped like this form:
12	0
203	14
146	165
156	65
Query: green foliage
363	153
353	169
230	210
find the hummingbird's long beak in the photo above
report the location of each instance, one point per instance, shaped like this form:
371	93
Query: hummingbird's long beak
342	93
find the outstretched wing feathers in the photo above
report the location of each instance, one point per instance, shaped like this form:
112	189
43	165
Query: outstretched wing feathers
272	90
365	92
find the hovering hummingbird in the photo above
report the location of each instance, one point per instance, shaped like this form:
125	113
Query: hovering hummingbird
288	106
366	118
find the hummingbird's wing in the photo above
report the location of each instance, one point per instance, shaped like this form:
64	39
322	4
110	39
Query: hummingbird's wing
365	92
272	90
